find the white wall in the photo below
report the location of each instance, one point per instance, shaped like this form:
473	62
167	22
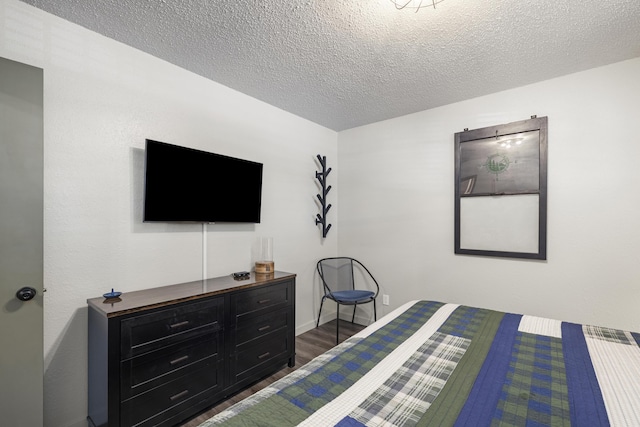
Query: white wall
102	99
396	202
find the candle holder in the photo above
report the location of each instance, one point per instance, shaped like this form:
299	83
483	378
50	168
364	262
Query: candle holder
265	264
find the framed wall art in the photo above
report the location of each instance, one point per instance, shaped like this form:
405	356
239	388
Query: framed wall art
501	190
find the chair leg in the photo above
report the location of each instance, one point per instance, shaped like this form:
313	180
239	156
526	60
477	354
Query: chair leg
353	317
319	312
337	323
375	315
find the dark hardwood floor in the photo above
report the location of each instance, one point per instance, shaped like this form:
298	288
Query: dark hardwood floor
308	345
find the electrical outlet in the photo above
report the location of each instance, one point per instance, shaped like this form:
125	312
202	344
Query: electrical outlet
385	299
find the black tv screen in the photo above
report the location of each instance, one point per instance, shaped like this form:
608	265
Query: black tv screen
187	185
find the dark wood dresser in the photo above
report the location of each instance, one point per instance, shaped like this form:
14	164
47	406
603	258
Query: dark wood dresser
159	356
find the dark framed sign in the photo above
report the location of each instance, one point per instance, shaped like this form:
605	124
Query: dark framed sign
501	190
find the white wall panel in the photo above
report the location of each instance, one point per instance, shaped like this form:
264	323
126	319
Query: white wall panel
397	202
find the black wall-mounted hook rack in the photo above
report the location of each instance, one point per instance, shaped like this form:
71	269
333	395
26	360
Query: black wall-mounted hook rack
321	218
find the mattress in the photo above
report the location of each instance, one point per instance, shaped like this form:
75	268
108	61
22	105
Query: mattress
433	363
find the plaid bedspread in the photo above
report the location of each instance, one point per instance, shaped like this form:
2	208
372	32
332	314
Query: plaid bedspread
431	363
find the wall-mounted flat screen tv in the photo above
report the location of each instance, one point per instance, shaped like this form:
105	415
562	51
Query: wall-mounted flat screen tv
187	185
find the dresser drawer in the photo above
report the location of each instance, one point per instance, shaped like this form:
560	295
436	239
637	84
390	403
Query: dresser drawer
149	332
162	403
249	328
257	354
267	297
142	373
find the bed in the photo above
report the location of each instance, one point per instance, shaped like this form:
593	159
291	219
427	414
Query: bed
432	363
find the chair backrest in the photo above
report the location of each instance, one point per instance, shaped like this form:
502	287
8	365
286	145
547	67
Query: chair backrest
344	273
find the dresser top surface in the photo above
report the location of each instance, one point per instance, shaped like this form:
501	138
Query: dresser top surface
131	302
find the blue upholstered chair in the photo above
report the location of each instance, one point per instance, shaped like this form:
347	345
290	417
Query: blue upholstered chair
339	276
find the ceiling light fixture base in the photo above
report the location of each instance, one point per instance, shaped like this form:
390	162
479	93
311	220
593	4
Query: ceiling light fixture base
415	5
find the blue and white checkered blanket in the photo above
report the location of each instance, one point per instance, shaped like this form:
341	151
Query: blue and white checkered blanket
430	363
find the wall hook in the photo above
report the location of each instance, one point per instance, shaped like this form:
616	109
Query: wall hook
321	176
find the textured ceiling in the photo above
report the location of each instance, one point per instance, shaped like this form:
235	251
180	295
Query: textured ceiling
346	63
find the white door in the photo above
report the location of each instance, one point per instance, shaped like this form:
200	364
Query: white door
21	215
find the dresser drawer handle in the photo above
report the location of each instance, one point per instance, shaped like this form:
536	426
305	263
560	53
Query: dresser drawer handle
262	356
262	301
177	325
264	328
179	395
179	359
